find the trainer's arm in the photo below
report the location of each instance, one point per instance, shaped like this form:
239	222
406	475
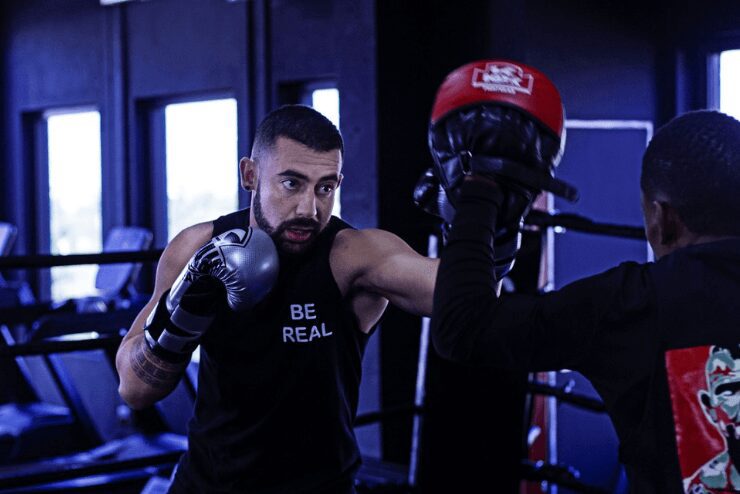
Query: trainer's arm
145	378
471	324
389	267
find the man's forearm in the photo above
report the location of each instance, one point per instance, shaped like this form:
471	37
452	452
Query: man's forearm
465	292
146	378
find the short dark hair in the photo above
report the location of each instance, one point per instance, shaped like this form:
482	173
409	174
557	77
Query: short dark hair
694	160
300	123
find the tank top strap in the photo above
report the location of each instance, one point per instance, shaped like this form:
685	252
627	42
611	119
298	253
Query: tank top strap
237	219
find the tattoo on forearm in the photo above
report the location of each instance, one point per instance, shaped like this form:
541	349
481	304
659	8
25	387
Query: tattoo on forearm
154	371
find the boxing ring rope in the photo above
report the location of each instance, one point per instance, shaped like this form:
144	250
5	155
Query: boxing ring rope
578	223
53	260
567	221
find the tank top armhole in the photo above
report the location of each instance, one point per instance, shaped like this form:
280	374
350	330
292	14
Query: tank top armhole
337	225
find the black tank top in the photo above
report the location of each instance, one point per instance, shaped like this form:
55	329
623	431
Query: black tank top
278	386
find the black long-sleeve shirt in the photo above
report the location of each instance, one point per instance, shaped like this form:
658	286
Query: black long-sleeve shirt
616	328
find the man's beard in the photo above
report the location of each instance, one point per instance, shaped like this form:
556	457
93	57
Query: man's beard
276	232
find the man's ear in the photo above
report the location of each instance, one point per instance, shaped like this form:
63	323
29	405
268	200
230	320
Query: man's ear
248	173
339	182
667	224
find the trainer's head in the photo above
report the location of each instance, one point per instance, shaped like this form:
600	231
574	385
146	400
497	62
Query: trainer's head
690	178
294	169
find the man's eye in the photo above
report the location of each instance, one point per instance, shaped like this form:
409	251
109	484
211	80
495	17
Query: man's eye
326	189
290	184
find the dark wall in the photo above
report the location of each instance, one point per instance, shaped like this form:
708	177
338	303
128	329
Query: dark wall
456	445
303	40
355	37
50	64
601	59
605	62
4	113
168	56
688	37
354	27
332	42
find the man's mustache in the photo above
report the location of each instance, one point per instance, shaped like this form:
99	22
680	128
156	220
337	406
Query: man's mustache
301	223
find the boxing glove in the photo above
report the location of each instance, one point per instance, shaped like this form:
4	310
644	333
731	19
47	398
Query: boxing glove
237	268
430	197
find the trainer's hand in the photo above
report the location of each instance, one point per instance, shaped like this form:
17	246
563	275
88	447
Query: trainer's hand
238	267
430	197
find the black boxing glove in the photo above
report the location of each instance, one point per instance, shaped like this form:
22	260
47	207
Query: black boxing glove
430	197
237	268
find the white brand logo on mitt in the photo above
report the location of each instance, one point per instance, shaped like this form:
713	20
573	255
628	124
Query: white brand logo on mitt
503	78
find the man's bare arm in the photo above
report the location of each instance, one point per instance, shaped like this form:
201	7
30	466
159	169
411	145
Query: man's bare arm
145	378
387	266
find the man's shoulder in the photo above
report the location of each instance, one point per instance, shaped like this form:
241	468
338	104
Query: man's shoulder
365	241
188	241
199	232
355	251
180	249
624	274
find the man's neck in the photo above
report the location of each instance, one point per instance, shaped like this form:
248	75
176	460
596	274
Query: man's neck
689	239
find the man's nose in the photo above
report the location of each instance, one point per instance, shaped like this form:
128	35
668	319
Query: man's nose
307	205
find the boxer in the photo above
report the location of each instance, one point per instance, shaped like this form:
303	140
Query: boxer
282	298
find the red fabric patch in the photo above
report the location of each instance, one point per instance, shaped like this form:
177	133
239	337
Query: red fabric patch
697	438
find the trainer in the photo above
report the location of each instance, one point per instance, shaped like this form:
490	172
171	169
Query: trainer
659	341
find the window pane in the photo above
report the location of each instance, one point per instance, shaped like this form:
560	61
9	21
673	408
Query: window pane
74	196
729	82
326	101
202	162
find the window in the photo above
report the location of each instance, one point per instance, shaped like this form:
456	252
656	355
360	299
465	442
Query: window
729	81
202	162
74	197
326	101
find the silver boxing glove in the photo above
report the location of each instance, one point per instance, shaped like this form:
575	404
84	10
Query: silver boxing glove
238	267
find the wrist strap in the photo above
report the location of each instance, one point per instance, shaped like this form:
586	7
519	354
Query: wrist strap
173	337
162	353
